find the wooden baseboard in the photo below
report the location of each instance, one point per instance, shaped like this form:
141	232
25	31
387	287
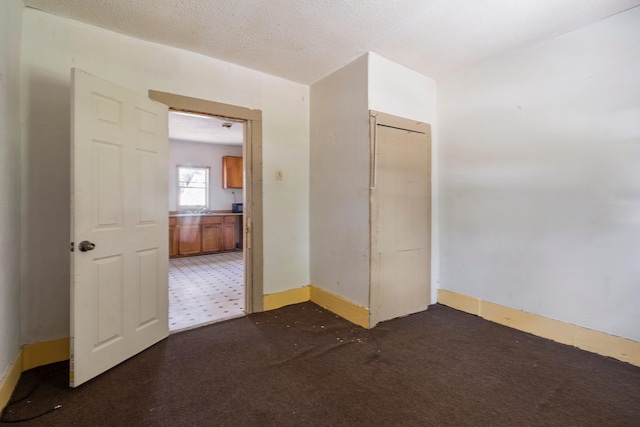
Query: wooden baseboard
344	308
289	297
29	357
555	330
44	353
9	382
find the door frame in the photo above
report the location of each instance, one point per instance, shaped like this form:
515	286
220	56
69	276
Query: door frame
376	119
252	153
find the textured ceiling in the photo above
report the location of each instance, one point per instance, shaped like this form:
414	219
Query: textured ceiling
305	40
202	128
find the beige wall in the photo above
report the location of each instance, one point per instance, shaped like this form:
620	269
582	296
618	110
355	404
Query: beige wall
10	35
53	45
540	183
339	201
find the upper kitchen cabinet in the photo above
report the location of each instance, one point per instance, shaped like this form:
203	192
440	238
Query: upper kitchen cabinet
231	172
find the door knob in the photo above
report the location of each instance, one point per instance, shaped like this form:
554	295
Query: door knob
86	245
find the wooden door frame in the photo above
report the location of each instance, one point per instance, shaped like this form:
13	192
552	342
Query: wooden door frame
252	153
377	118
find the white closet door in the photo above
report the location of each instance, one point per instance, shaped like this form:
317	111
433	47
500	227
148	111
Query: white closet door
401	218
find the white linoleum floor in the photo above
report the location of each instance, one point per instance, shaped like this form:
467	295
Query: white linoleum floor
205	289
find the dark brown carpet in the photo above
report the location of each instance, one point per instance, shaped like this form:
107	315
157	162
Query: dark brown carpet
303	366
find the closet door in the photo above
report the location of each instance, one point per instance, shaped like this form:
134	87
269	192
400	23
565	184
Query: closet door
400	217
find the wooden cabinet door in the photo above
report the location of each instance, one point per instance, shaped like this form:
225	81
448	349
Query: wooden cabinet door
189	239
212	238
229	233
173	241
232	172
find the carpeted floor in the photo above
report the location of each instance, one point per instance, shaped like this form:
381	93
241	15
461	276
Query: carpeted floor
303	366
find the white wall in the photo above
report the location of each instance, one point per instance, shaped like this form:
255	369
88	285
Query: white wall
398	90
540	178
199	154
340	165
339	202
10	34
50	47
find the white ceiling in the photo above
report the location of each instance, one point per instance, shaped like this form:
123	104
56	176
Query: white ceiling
202	128
305	40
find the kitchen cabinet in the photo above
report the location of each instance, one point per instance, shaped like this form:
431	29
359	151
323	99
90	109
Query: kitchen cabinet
173	237
212	234
232	172
202	234
229	233
189	240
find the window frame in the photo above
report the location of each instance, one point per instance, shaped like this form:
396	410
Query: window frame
207	188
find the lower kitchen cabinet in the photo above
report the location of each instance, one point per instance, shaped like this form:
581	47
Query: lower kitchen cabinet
197	235
229	233
173	237
189	239
211	230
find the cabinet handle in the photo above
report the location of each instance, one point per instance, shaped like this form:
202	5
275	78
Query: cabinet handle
374	170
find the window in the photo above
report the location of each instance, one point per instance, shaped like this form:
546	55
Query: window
193	187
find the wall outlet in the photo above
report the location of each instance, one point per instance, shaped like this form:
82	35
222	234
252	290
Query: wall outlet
278	175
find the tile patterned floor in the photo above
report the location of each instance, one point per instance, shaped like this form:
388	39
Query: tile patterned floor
205	289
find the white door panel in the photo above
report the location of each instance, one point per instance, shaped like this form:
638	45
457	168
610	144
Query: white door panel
119	290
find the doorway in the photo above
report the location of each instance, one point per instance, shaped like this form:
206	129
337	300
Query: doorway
243	263
205	289
206	175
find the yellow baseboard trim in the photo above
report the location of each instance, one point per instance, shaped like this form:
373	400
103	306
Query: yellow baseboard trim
9	382
44	353
29	357
555	330
281	299
344	308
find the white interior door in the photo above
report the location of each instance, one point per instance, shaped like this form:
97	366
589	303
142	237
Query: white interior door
119	225
400	219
